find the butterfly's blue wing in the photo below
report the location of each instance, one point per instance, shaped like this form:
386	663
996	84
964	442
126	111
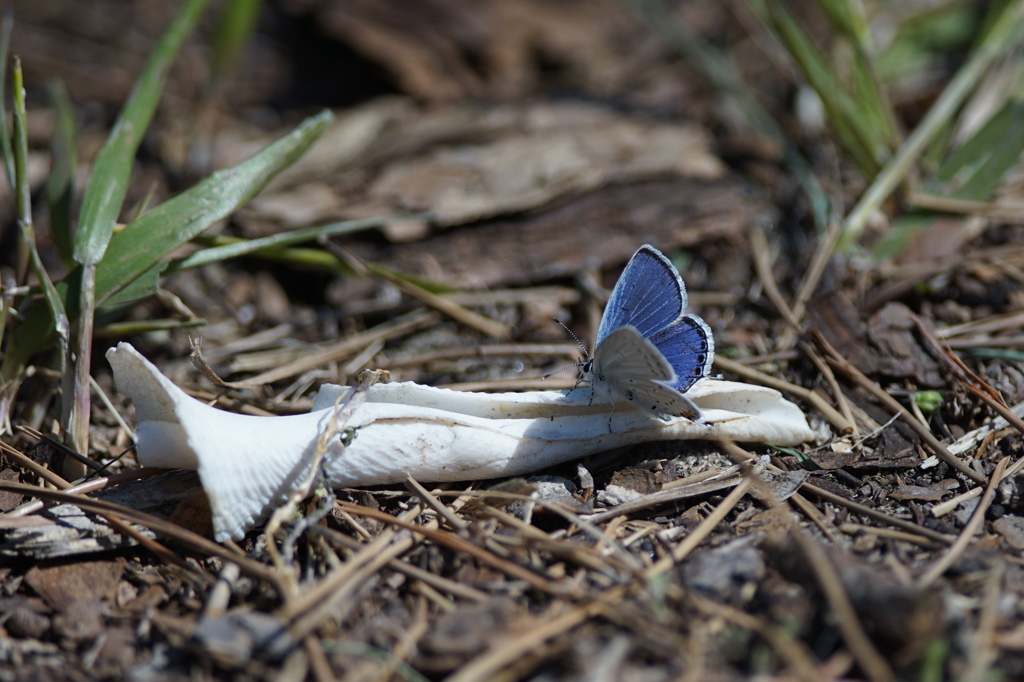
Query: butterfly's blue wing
689	347
649	351
649	295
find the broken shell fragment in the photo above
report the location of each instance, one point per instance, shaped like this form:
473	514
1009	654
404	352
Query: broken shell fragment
248	465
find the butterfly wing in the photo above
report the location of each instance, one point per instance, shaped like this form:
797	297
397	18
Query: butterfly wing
661	400
649	295
628	366
689	348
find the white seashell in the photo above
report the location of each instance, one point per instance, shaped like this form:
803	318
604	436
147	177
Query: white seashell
248	465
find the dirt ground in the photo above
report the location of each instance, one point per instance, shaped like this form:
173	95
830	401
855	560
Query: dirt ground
520	152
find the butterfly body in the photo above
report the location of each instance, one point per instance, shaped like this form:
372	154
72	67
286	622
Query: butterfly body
649	350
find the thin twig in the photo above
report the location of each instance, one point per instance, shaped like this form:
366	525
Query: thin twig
666	496
587	525
162	526
487	664
812	278
752	375
969	531
761	252
873	664
429	500
306	612
789	648
38	469
853	528
591	558
460	544
811	512
698	535
57	445
893	405
830	378
981	653
441	304
89	486
876	667
951	504
438	582
858	508
399	326
114	412
971	381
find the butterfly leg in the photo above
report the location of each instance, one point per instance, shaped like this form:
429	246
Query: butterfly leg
610	413
579	381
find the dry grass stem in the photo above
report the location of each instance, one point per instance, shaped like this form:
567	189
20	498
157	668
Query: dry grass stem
458	544
305	612
949	505
38	469
487	351
823	255
891	404
873	664
445	306
970	529
418	319
837	392
117	513
816	401
701	532
982	650
795	652
762	263
856	507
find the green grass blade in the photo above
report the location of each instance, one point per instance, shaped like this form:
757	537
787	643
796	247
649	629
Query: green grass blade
233	247
123	274
5	140
146	284
850	121
903	229
924	39
294	256
108	182
145	241
24	205
235	29
1006	33
27	232
60	185
104	195
22	191
718	71
976	169
868	85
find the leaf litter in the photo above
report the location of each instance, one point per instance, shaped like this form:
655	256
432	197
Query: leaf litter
866	555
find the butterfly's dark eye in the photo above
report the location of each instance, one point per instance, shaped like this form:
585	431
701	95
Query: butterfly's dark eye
588	366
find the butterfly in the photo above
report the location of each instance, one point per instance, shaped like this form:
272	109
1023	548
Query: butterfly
650	351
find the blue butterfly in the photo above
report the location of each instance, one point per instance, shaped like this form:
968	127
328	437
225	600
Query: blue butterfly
650	351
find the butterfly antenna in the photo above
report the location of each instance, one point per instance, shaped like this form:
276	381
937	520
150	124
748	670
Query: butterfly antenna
574	338
575	364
